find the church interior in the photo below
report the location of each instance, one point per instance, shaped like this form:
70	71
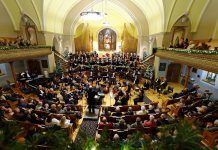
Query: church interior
109	74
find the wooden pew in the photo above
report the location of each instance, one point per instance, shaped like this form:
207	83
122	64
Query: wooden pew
209	138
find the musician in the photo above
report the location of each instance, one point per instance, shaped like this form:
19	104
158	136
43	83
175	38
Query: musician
140	97
146	85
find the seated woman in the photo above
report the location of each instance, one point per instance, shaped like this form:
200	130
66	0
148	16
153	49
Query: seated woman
65	123
151	123
50	120
143	111
105	124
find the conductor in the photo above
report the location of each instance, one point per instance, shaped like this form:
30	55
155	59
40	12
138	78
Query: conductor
91	99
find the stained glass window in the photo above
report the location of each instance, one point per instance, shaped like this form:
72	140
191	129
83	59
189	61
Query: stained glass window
107	39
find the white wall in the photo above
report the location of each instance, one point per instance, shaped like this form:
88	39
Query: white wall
18	66
204	85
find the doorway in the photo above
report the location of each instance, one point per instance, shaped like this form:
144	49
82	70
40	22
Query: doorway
34	67
173	72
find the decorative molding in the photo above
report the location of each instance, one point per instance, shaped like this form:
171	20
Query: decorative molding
207	62
21	54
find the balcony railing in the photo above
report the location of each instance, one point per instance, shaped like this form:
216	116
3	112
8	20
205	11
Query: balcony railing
8	54
202	59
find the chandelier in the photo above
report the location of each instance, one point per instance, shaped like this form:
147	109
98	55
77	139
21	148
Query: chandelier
92	15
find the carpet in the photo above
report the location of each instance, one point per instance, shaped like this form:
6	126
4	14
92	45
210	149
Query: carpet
87	129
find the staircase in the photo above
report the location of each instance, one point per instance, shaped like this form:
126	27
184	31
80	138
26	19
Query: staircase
59	58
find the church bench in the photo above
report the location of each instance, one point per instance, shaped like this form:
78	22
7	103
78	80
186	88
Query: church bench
123	133
210	138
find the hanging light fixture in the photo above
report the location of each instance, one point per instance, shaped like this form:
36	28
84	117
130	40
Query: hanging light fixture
94	15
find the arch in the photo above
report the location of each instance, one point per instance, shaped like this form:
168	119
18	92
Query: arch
181	29
107	39
28	29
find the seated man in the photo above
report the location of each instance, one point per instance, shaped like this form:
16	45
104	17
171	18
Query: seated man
151	123
162	120
105	124
137	124
121	125
140	97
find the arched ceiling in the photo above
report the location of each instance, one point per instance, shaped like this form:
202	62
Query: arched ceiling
156	15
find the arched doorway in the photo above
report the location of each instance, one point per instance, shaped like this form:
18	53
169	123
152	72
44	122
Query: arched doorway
107	39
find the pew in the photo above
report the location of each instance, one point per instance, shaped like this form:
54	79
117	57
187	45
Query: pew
210	138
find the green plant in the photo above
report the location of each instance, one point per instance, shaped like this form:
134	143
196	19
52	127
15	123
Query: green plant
9	130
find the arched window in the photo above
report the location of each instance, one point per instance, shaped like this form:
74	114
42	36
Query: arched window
107	39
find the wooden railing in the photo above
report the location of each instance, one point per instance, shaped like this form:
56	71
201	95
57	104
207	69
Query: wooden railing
202	59
9	54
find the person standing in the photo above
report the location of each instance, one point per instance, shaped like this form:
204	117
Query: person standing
91	99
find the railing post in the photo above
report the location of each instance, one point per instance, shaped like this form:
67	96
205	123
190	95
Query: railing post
187	76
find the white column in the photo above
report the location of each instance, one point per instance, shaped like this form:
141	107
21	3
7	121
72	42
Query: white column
68	41
143	45
51	60
156	66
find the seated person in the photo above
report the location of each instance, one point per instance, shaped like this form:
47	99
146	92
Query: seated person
143	111
106	112
22	103
105	124
129	112
162	120
50	120
214	127
39	106
140	97
35	119
53	109
151	109
151	123
117	113
121	125
137	124
65	123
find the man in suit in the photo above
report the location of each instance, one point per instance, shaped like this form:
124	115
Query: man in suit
91	99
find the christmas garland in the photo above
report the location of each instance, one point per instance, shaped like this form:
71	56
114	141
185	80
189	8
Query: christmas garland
190	51
22	47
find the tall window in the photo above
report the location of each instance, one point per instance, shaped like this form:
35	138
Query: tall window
107	39
210	78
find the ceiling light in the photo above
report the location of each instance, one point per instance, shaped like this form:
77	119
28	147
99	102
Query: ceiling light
92	15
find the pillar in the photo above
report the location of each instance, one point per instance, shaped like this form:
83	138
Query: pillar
187	77
143	45
13	71
51	59
156	66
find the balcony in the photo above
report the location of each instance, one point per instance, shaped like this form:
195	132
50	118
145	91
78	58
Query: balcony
9	54
202	59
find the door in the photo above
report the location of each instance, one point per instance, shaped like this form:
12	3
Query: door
34	66
173	72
